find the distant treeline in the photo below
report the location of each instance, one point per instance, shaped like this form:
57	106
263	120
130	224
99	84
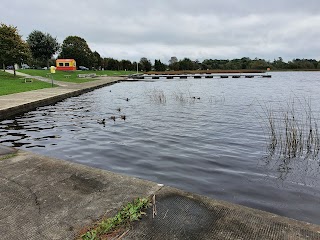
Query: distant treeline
208	64
39	48
212	64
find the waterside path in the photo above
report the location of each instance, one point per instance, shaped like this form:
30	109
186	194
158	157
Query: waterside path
13	104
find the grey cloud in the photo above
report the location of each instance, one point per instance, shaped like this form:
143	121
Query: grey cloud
160	29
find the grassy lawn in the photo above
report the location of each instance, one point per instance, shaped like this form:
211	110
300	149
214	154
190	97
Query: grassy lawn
10	84
61	75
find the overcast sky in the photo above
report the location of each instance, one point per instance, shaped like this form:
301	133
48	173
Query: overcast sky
131	29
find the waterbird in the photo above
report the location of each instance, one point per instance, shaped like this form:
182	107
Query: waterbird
103	121
118	109
127	99
123	117
113	118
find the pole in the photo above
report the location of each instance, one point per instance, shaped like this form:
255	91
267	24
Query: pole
137	67
51	80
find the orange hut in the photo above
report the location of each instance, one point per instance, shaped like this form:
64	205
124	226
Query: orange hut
66	65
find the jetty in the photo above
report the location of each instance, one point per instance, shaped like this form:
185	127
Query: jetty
198	74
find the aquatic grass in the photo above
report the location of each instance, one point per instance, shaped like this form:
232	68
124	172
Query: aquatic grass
129	213
292	131
182	97
157	96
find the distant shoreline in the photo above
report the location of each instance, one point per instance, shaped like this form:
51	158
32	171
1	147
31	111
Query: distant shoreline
295	70
227	71
204	71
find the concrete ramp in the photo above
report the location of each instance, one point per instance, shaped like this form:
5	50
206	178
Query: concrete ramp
46	199
182	215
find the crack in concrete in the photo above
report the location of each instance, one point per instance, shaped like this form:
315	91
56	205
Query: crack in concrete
29	189
36	201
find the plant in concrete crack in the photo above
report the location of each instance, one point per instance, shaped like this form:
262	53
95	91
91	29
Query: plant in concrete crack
8	156
129	213
90	235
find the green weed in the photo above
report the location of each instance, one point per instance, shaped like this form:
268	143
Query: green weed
129	213
8	156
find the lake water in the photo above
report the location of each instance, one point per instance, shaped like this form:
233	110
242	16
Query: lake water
214	146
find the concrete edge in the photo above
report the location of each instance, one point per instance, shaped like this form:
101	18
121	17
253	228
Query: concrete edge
161	192
80	166
14	111
168	191
4	151
165	190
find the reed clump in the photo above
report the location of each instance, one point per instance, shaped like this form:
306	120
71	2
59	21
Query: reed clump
183	98
292	131
158	96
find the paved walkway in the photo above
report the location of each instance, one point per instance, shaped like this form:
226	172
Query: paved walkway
17	103
17	73
46	199
43	79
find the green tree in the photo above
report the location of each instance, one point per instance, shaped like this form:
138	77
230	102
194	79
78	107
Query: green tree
97	60
127	65
186	64
260	64
234	64
43	46
173	60
245	62
279	64
159	66
110	64
75	47
174	64
12	48
145	64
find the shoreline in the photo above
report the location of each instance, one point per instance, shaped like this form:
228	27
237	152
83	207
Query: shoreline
19	103
55	199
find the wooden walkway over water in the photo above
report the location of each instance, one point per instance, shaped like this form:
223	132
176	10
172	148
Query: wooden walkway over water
197	76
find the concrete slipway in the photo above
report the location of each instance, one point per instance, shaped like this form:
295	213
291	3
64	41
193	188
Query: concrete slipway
45	198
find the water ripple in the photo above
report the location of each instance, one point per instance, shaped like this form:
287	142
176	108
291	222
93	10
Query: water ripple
213	146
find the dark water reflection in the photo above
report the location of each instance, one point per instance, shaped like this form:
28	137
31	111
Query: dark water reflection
213	146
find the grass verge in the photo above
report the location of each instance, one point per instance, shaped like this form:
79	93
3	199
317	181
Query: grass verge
73	76
129	213
10	84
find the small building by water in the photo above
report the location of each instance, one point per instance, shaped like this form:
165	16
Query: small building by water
66	65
